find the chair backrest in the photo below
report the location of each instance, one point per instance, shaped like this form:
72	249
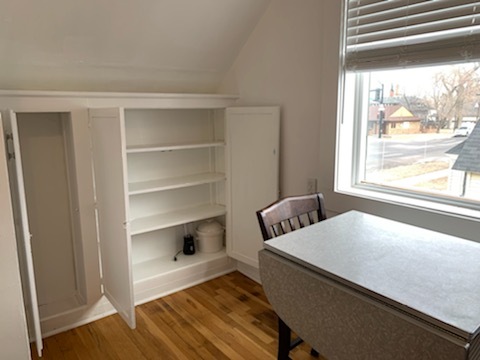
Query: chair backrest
290	214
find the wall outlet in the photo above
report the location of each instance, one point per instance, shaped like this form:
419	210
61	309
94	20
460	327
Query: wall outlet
311	185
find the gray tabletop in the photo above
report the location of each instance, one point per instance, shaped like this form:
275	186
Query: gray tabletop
430	275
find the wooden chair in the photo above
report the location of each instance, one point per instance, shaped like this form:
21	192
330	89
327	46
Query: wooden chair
283	216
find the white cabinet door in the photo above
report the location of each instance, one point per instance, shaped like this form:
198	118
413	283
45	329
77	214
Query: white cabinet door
23	231
253	135
111	191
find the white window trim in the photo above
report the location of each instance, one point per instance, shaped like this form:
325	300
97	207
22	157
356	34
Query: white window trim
350	152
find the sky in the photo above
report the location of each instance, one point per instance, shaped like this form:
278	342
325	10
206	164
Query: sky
415	81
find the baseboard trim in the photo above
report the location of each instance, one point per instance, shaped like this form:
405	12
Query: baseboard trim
249	271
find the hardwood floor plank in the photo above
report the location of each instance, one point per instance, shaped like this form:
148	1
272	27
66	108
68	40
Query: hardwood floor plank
226	318
229	341
153	340
184	333
178	347
245	323
248	323
199	322
89	338
119	338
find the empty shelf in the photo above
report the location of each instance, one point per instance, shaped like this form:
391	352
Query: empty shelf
169	147
174	183
165	220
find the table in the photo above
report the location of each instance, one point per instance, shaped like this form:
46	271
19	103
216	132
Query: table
358	286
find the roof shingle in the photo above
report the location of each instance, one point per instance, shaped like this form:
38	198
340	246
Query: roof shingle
469	156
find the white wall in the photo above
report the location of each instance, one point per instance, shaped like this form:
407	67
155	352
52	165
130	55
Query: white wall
280	65
141	46
292	59
13	332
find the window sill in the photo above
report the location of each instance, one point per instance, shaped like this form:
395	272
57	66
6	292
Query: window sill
417	201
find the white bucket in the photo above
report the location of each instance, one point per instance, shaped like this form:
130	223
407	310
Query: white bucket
210	237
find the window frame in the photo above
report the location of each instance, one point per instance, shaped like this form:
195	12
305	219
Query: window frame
350	153
351	160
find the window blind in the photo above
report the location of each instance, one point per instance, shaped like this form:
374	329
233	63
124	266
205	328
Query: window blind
401	33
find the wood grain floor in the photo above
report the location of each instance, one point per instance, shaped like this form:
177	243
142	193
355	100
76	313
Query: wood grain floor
225	318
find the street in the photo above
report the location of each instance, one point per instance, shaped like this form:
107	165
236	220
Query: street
387	152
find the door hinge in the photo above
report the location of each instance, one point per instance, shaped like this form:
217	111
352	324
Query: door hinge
9	142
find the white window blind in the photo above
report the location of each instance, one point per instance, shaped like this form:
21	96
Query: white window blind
400	33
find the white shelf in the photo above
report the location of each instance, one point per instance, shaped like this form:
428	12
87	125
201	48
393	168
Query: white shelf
165	220
165	265
168	147
173	183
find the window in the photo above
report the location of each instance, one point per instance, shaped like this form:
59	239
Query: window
410	129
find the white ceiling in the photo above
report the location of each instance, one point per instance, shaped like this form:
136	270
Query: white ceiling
122	45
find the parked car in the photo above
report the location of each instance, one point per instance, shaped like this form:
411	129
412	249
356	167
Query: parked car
462	131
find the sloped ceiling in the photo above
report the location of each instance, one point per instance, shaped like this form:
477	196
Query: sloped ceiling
122	45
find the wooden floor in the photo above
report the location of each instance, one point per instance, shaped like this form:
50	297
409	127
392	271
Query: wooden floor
225	318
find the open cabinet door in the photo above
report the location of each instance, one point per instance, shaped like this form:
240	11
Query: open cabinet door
111	192
22	230
253	137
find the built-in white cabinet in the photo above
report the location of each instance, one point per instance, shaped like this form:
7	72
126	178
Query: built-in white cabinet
43	152
139	173
254	174
158	172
